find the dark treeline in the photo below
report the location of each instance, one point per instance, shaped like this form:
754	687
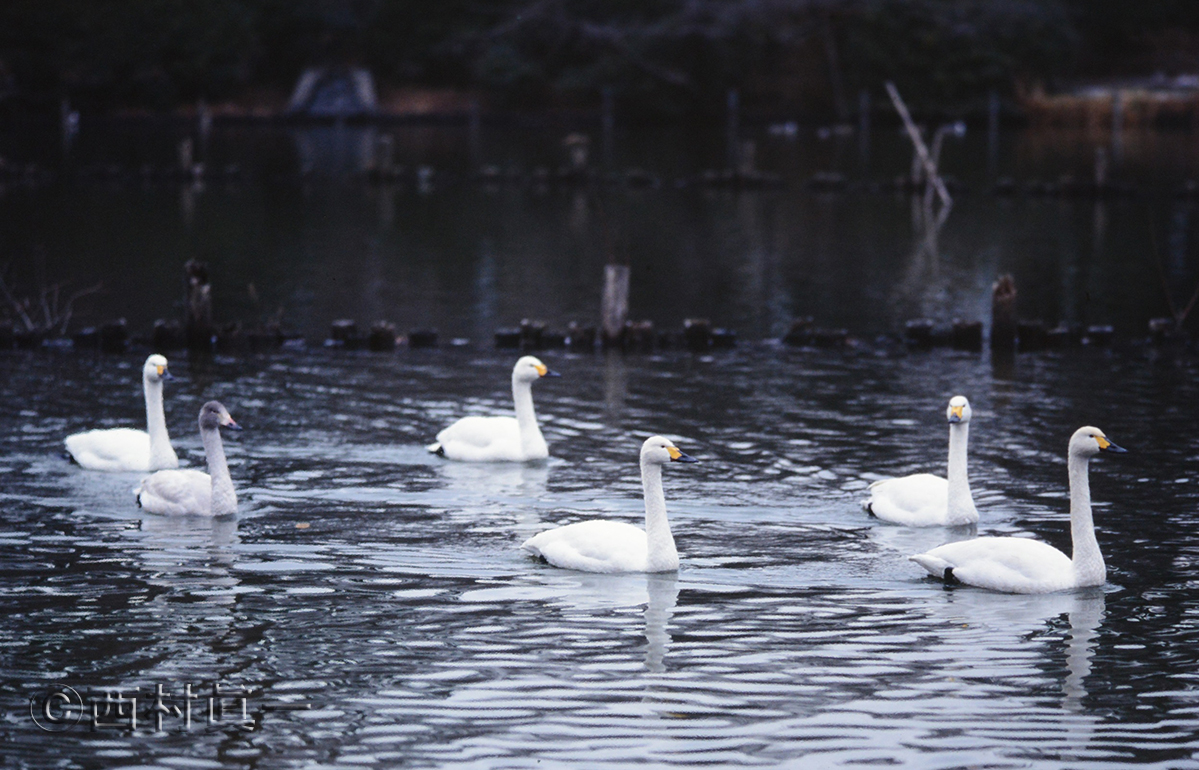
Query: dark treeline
659	57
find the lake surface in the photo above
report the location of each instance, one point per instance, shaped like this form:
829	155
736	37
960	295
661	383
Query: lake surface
385	588
371	600
300	234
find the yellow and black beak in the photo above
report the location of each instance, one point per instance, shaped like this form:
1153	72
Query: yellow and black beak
1107	446
679	457
227	422
955	413
163	374
545	371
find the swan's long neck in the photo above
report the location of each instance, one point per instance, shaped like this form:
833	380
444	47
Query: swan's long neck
531	441
224	499
1089	569
161	453
961	502
662	555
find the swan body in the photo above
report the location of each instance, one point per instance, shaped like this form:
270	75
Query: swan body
613	546
127	449
925	500
191	492
1022	566
498	439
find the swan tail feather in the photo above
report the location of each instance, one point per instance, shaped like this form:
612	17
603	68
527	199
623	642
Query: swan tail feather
936	566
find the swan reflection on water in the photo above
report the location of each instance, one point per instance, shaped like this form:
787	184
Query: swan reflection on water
1009	619
189	566
499	481
588	595
663	590
198	553
1086	616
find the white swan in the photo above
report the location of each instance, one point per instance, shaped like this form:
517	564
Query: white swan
489	439
613	546
183	492
1022	566
126	449
925	500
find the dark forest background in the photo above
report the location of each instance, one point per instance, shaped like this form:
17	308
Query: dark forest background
658	57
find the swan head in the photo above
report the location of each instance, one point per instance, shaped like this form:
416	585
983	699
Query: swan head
958	411
657	449
530	369
214	416
1088	442
155	369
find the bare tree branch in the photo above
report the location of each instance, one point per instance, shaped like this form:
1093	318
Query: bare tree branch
67	309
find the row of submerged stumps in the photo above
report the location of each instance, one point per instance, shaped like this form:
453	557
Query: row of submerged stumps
199	332
695	335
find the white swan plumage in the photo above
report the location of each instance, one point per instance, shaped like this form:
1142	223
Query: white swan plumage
1023	566
191	492
613	546
497	439
127	449
925	500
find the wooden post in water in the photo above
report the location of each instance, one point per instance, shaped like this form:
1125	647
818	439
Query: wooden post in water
607	124
614	310
203	129
186	156
1117	125
1100	168
69	120
474	134
198	324
864	127
1003	315
993	134
733	126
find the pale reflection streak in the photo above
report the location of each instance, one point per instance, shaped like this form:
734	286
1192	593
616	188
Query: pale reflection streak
663	596
923	283
616	384
1086	616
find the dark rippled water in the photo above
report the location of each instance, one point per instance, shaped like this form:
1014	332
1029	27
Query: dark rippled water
384	587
